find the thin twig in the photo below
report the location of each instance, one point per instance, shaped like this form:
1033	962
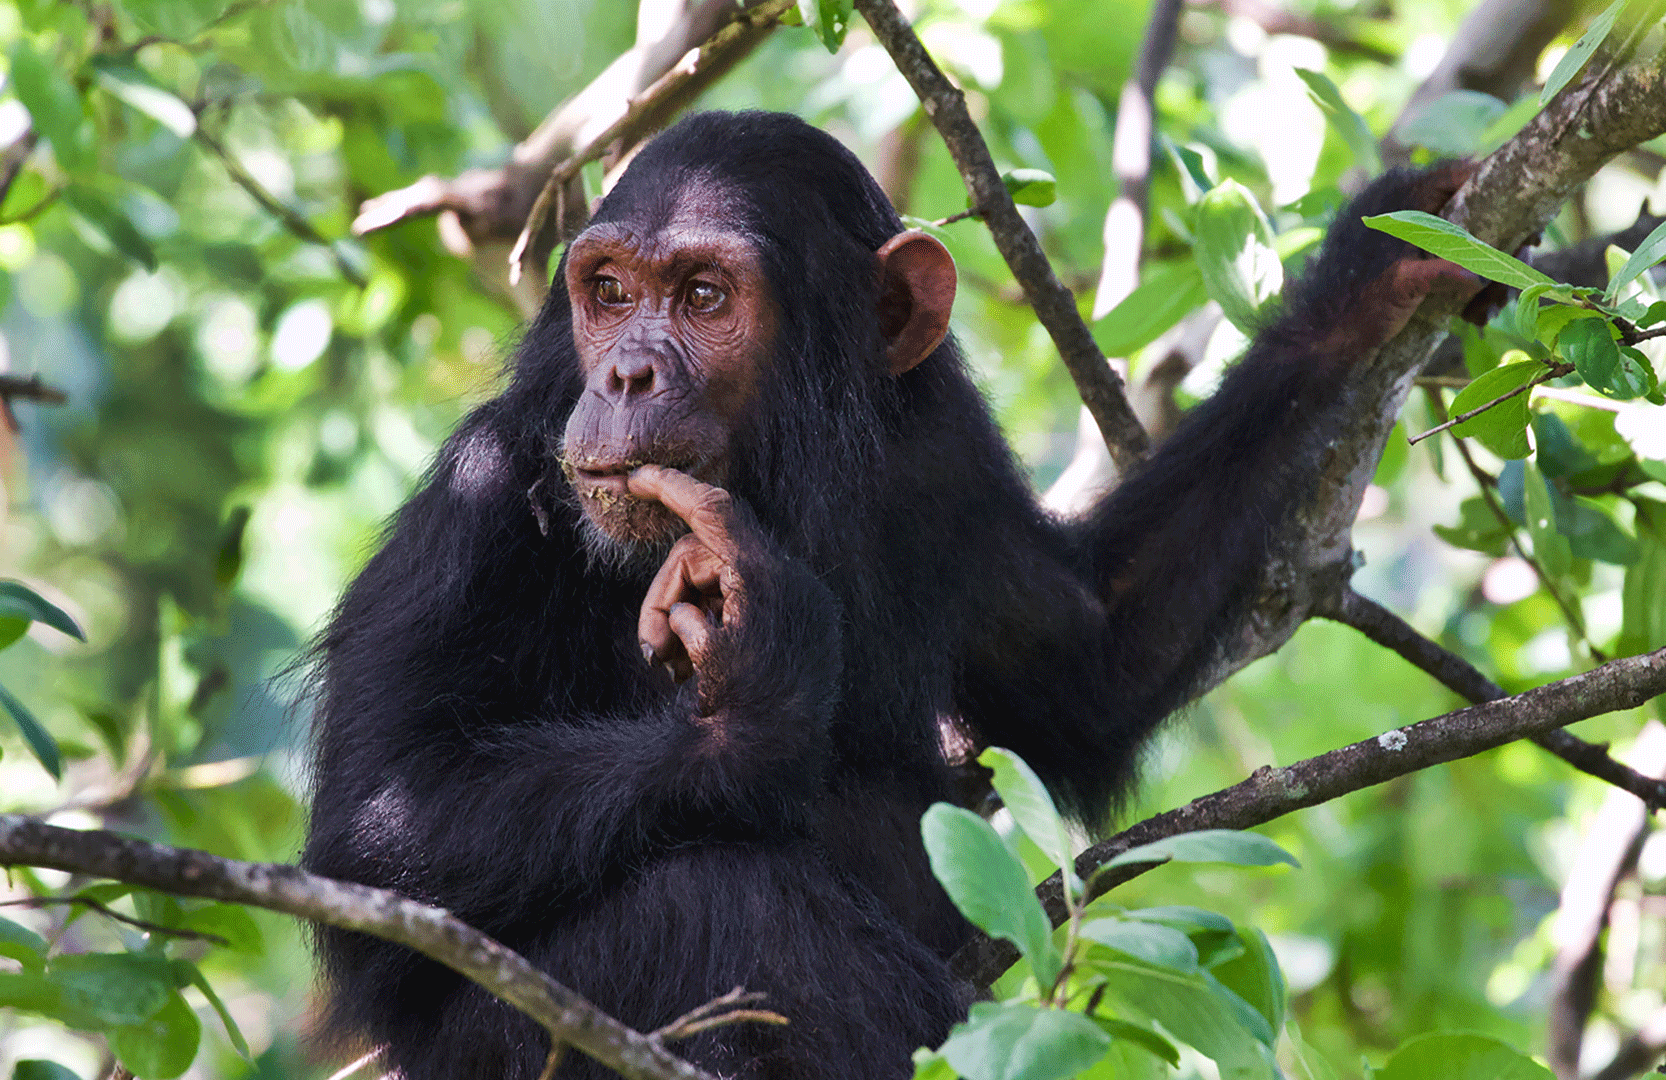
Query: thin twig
30	388
1555	371
104	910
11	161
665	86
553	1061
1054	305
718	1012
291	219
1487	483
1464	679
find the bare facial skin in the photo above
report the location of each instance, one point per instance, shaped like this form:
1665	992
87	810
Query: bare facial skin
673	328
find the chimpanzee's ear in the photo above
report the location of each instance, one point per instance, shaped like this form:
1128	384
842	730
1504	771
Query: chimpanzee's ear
916	294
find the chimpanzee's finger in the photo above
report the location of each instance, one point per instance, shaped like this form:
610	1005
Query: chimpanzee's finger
690	572
694	630
709	511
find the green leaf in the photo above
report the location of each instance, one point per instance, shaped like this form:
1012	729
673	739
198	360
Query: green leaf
134	87
829	20
1254	975
1643	616
1234	249
929	1064
53	104
1014	1041
32	992
1208	846
988	884
1454	124
195	977
163	1046
38	1069
1575	58
1503	427
1604	366
1460	1057
1195	1008
23	945
17	600
1028	801
1478	529
1192	166
110	221
1348	124
1031	187
227	921
1154	943
12	630
1527	311
1164	296
1592	532
1549	545
118	988
1452	242
41	744
1158	1046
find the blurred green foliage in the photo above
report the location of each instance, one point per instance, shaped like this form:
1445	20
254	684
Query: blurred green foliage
252	391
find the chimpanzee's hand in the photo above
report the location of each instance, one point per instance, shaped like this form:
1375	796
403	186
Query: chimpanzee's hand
1365	284
727	607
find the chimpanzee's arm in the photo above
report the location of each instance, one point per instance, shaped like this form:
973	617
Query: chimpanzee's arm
1176	551
451	762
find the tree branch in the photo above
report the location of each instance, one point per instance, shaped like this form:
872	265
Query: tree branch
1271	793
1463	678
1054	305
291	218
432	931
492	204
1511	196
672	86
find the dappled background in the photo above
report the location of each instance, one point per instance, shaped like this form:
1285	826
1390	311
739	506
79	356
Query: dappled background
251	390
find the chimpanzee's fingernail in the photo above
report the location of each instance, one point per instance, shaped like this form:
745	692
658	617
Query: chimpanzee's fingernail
647	652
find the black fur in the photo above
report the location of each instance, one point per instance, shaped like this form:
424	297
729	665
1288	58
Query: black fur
489	738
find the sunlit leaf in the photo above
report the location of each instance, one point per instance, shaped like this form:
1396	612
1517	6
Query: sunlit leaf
1502	427
1208	846
1452	242
1574	60
1234	247
1348	124
1030	187
829	20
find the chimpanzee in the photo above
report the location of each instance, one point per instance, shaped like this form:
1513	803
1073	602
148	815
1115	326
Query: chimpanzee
647	680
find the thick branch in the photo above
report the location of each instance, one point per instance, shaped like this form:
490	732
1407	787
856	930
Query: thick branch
429	930
1054	305
1271	793
1512	196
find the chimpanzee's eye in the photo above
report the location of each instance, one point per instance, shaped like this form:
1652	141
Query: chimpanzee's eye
610	290
704	296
